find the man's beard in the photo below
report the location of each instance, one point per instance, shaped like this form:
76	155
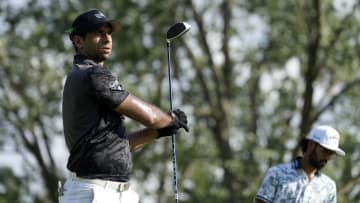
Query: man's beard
99	58
315	162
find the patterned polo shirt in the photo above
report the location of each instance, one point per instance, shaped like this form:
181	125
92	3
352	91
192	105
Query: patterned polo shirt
288	183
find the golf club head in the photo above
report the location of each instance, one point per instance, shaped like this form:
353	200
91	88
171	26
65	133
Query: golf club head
177	30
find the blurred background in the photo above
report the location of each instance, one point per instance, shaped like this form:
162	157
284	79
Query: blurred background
253	76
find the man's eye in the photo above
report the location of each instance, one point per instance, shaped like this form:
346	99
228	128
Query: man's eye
100	32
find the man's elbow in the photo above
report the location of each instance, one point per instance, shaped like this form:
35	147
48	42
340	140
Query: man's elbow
152	121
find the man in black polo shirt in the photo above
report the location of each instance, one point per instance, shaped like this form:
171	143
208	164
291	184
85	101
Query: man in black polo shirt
94	108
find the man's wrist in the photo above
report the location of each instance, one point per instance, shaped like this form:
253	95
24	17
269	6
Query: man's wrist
166	131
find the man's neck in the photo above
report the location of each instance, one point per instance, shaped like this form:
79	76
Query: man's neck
308	168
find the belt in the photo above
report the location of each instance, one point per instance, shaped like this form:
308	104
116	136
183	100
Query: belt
118	186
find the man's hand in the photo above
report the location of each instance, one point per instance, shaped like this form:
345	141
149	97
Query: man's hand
179	121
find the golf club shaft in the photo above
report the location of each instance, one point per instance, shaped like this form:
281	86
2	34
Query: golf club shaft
173	141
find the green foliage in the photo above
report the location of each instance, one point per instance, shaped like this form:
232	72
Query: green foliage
10	185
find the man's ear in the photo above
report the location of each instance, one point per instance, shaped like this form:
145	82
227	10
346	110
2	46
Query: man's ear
78	41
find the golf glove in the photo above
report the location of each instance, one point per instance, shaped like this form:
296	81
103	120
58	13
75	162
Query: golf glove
179	121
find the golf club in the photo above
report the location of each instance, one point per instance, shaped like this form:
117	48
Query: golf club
175	31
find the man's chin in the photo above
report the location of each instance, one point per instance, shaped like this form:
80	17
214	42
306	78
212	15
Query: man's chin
102	58
107	54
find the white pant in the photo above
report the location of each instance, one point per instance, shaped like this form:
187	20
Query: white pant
75	191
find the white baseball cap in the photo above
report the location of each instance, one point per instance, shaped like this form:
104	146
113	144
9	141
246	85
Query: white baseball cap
327	137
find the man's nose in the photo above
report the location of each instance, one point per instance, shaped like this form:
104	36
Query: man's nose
107	37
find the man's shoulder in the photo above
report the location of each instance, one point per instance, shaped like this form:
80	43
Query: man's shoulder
326	180
285	170
86	70
282	166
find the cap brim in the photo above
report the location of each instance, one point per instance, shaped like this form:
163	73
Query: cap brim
115	24
338	151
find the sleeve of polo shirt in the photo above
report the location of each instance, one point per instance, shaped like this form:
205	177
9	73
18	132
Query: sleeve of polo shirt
106	88
267	189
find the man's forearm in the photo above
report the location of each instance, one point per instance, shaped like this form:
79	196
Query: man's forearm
139	138
143	112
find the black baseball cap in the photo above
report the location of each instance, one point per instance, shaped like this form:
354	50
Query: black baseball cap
91	21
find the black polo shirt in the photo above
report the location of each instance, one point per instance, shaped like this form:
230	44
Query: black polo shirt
94	133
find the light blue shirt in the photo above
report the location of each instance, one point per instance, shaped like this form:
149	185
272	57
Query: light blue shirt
288	183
